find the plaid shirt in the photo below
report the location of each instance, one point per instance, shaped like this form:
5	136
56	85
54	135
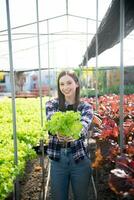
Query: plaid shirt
78	147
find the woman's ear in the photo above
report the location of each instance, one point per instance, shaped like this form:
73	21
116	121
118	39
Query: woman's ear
77	85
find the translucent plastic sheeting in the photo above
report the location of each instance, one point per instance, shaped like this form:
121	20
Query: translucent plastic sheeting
67	42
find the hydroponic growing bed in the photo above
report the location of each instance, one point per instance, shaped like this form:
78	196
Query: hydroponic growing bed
109	156
29	133
113	172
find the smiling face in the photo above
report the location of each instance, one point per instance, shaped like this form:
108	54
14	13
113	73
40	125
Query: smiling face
68	87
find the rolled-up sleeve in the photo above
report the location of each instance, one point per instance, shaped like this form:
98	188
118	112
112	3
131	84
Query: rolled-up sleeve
86	119
51	108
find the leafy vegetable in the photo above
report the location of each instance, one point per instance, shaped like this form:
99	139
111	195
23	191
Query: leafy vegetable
65	123
29	132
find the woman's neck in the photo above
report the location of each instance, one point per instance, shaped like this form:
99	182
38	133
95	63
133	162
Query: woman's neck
70	101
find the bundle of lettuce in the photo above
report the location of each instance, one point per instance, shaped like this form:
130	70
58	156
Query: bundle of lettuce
65	123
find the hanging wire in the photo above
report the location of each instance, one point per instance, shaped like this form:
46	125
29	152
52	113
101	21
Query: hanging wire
121	75
16	185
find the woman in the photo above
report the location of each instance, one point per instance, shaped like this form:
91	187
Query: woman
69	159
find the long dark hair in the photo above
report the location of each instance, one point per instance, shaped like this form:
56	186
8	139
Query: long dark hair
61	97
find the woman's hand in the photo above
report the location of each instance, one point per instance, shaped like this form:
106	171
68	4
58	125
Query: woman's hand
62	138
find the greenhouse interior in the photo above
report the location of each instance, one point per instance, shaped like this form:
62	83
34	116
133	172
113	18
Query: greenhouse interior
40	39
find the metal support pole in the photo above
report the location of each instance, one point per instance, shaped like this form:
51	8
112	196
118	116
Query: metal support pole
67	29
87	43
96	77
96	72
66	7
121	75
39	61
40	92
47	183
43	170
16	185
87	53
94	187
48	55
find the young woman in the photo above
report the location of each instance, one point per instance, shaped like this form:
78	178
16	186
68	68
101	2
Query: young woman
69	159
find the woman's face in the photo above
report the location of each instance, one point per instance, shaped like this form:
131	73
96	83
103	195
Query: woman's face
68	86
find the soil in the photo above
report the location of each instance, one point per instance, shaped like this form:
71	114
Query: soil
31	186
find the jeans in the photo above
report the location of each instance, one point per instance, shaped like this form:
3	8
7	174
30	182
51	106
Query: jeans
66	171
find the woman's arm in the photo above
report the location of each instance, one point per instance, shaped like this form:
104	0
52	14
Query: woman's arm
51	108
86	119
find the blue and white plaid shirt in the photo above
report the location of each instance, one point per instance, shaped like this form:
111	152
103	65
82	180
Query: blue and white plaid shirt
78	147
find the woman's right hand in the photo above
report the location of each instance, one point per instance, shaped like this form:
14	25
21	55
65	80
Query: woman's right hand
62	138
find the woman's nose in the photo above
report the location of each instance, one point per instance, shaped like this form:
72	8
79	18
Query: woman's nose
65	86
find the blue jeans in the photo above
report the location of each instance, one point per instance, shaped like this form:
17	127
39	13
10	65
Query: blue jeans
66	171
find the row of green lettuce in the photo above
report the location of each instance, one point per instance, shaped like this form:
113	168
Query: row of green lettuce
29	133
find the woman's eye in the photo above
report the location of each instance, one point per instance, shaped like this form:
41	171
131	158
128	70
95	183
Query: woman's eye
69	83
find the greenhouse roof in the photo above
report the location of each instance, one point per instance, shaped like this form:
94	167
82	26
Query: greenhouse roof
109	29
66	29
